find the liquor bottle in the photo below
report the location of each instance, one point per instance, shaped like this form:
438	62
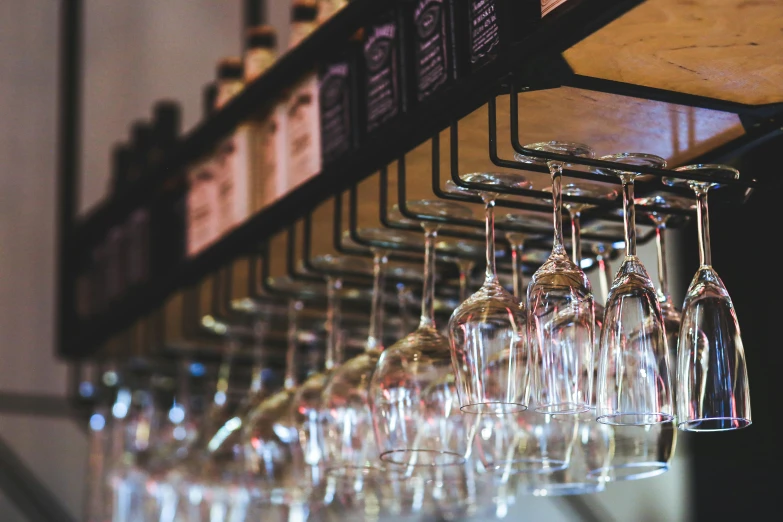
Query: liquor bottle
167	220
485	28
338	94
202	191
229	80
385	80
303	127
260	51
429	43
253	172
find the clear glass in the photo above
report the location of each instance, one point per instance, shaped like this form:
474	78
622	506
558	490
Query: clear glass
638	451
634	386
488	331
413	394
671	313
463	254
351	450
713	392
560	348
269	442
590	450
308	415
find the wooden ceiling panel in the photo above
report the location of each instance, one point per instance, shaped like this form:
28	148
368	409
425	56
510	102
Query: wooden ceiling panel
724	49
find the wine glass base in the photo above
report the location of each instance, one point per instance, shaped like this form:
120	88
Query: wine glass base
415	458
563	408
531	466
351	473
559	490
634	419
630	471
493	408
715	424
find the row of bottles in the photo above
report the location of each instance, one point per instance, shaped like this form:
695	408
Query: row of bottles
399	60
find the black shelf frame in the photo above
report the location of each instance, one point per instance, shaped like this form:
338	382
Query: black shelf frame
533	62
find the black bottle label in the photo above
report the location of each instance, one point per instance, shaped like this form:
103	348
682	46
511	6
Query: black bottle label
383	89
484	30
335	98
431	46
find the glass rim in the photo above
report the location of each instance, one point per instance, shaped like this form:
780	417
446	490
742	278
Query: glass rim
663	418
387	456
744	421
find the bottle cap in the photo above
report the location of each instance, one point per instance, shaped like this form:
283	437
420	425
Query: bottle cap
209	96
229	68
261	37
166	120
304	13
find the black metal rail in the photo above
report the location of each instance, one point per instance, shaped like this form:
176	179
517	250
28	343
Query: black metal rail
557	32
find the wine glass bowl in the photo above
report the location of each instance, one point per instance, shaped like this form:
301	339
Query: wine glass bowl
633	374
713	393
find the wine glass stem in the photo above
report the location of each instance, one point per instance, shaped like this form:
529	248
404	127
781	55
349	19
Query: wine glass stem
183	385
660	243
333	357
489	226
224	372
576	235
375	336
402	306
290	381
630	216
428	290
603	277
556	169
465	268
257	379
516	268
704	226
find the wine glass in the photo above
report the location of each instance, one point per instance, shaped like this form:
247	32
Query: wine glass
269	441
671	313
633	369
559	353
350	447
712	375
307	412
417	423
488	331
637	451
412	390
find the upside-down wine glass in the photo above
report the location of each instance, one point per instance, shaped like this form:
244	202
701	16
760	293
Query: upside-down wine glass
351	451
411	390
307	409
417	422
712	375
637	451
488	331
588	444
671	313
634	386
559	385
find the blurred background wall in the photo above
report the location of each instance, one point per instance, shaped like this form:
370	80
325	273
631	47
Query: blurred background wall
136	52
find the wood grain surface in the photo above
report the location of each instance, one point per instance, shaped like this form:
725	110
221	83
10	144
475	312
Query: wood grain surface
726	49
